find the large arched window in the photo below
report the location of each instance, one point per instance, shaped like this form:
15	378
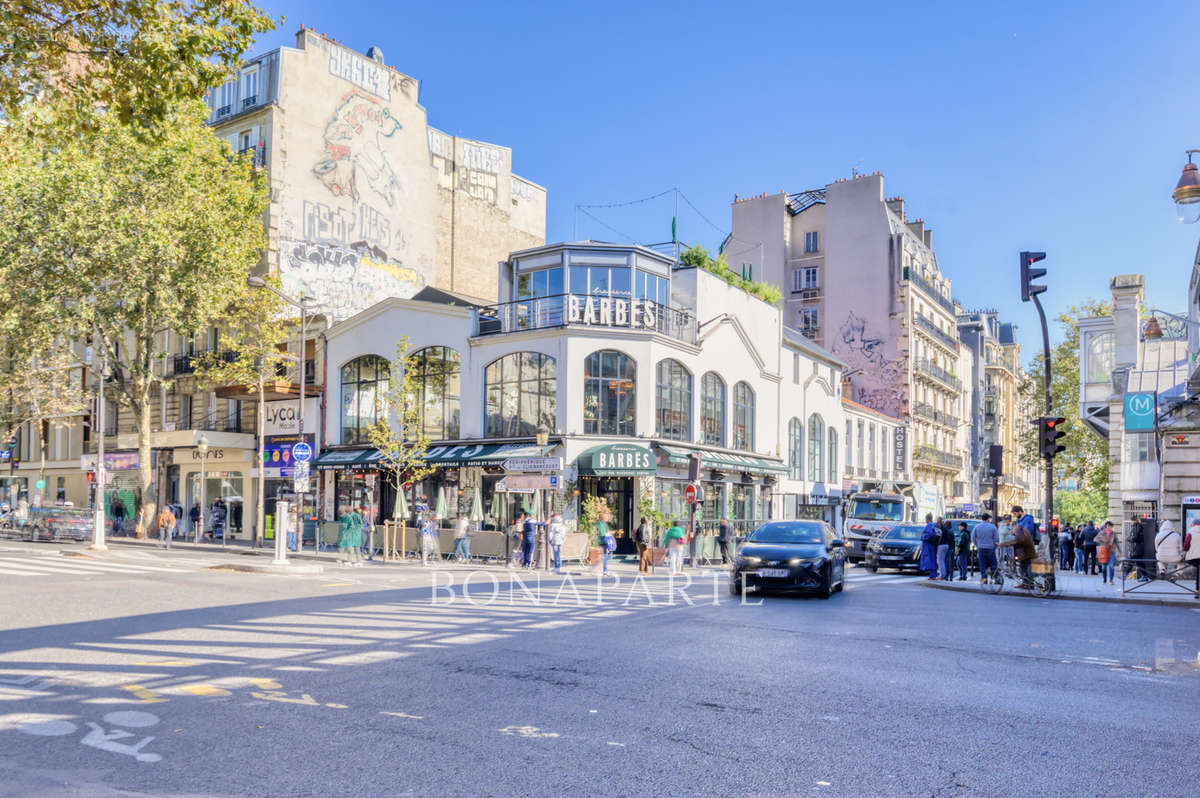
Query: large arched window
364	396
520	392
712	410
796	448
1100	358
833	455
673	401
743	417
609	398
436	378
816	446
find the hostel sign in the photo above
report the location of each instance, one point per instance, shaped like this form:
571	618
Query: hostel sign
638	314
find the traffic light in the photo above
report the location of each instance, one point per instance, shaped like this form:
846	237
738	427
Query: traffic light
1049	431
91	475
1029	274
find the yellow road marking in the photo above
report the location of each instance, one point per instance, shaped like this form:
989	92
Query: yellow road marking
339	584
205	689
266	684
147	695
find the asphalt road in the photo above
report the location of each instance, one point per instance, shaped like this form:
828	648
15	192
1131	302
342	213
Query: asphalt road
187	682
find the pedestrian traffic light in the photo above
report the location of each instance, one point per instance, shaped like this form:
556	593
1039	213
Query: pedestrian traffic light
91	475
1049	431
1029	274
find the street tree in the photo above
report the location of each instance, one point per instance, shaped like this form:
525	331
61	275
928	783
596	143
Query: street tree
135	59
1077	507
397	432
1085	458
254	334
130	239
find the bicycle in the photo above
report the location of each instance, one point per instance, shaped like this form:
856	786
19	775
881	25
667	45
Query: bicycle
1040	582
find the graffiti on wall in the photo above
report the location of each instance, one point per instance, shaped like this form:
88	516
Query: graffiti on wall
479	171
877	385
362	72
355	160
344	279
521	190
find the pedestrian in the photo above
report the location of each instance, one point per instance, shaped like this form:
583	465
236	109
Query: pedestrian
674	539
462	543
944	549
556	536
1024	549
1135	547
1168	548
929	546
194	520
429	534
118	517
964	550
986	537
368	519
166	519
528	540
349	540
218	514
723	536
1004	539
1108	551
1089	549
1066	547
1191	550
608	543
643	536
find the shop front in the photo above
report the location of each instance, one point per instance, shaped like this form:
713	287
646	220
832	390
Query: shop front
740	487
226	491
607	475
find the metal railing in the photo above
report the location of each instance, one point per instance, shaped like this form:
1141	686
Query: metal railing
186	363
1147	573
927	289
938	373
257	153
538	313
933	456
932	330
927	411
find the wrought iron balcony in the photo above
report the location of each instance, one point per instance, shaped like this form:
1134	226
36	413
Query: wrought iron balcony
569	310
937	458
927	289
186	364
938	373
931	329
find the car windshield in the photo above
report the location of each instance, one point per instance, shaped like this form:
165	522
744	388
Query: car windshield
970	522
877	510
788	532
904	533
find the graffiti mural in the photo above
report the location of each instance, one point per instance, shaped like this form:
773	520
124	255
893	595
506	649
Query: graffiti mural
877	385
345	279
356	140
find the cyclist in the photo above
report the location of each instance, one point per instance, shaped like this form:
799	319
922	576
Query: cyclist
1023	547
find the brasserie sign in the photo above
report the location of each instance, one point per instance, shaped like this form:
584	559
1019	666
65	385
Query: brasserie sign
612	312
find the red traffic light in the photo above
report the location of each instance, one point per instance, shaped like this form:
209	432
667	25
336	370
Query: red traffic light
91	476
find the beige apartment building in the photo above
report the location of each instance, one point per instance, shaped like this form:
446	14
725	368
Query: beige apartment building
861	278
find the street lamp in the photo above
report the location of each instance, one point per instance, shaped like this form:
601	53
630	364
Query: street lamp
202	450
1187	192
542	435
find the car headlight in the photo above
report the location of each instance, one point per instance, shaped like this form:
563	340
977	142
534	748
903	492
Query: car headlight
751	560
804	560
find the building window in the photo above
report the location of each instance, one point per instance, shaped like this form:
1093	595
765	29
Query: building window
185	411
816	446
1139	447
228	95
743	417
796	448
603	281
871	446
364	387
860	443
797	280
1100	358
712	410
673	396
609	400
849	443
541	283
521	391
233	415
60	489
810	320
884	458
811	242
833	452
652	287
437	377
810	278
250	86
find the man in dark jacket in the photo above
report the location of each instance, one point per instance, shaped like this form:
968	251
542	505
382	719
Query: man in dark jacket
723	535
964	550
1135	546
644	539
1089	549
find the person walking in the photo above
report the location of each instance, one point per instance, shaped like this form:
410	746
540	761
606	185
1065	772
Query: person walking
429	534
528	540
986	536
166	519
368	533
643	536
1168	547
556	536
964	550
723	537
607	542
674	540
1089	549
349	540
1066	548
118	517
1108	551
945	549
929	546
194	520
462	543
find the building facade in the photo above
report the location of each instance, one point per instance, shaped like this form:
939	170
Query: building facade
876	456
368	201
861	278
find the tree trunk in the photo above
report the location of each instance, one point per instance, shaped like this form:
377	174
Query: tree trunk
148	511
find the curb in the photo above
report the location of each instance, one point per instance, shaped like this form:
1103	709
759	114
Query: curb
1061	597
297	569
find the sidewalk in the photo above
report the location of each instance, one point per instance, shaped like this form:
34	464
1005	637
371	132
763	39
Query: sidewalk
1080	587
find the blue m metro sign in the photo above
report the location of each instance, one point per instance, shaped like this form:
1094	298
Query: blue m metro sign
1140	410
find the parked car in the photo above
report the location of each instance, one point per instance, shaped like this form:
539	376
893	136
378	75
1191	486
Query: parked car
62	523
899	547
793	556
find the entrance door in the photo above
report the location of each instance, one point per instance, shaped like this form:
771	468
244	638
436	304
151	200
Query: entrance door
617	492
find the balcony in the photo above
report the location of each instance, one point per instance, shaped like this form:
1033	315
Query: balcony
256	153
931	329
186	364
928	455
938	373
810	331
570	310
1007	361
928	289
936	416
224	110
250	101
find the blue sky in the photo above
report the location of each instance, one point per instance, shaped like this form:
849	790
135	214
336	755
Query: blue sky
1058	126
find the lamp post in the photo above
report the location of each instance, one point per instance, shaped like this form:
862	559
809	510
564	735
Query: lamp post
1187	192
202	450
98	543
542	436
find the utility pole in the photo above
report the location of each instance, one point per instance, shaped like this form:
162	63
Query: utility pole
1029	292
98	531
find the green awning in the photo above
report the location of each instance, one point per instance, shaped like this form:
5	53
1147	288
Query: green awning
617	460
723	461
481	454
346	458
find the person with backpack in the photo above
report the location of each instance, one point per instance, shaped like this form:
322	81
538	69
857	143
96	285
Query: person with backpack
1066	548
1108	551
964	550
1168	547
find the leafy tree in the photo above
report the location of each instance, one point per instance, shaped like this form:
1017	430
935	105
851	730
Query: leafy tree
253	352
398	433
131	239
137	59
1086	456
1077	507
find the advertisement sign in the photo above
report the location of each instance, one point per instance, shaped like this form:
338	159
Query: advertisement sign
281	417
900	450
113	461
1140	410
278	460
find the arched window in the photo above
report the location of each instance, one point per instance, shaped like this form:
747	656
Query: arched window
712	410
520	391
673	400
833	454
1100	358
364	396
743	417
796	449
816	446
609	399
436	377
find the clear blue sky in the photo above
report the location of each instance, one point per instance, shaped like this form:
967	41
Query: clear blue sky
1058	126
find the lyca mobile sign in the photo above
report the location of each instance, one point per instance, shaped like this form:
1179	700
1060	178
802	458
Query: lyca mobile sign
609	312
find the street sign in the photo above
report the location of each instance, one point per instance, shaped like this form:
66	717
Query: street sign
302	452
526	482
300	476
693	494
534	464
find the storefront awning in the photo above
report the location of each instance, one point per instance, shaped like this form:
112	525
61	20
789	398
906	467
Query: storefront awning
482	454
617	460
723	461
346	458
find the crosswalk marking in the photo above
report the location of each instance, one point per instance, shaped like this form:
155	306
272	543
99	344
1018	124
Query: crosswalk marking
44	565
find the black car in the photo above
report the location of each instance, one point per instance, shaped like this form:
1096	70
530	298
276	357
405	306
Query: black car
899	547
794	556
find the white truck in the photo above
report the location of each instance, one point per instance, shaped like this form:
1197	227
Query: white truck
868	514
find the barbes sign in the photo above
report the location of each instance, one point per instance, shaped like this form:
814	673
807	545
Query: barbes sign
610	312
617	459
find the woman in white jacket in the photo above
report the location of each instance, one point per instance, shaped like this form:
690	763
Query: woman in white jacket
557	534
1168	547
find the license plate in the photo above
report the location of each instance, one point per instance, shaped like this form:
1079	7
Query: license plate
889	556
774	573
